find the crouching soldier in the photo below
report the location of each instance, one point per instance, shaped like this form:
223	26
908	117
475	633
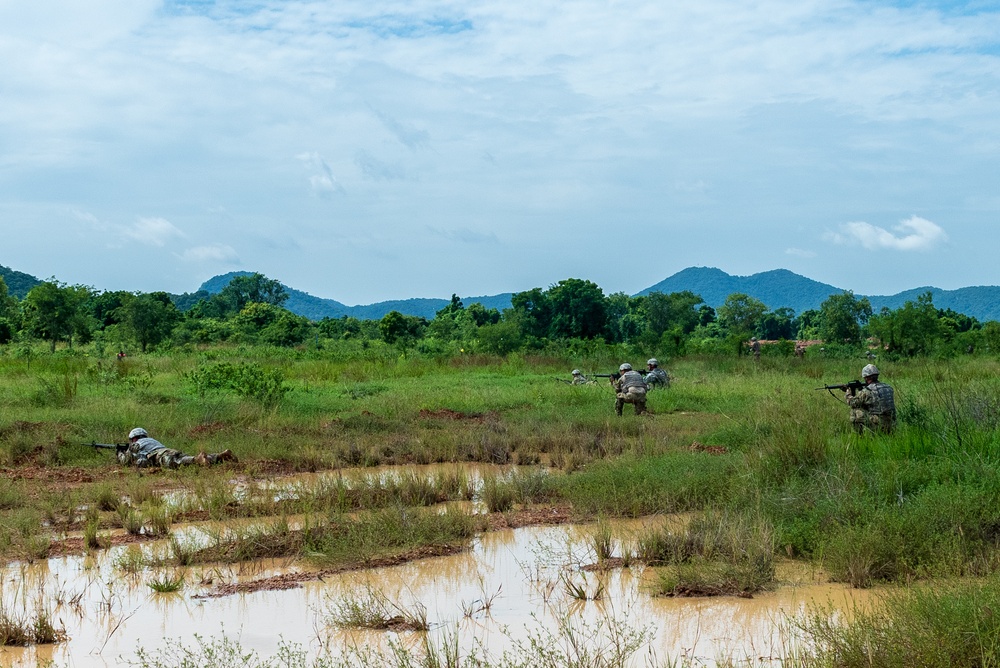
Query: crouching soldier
873	407
630	388
655	375
144	451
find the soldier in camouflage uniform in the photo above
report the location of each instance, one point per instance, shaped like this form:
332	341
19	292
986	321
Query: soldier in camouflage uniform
578	378
144	451
873	407
630	388
655	375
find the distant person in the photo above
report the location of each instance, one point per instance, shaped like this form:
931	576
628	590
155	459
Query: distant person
873	407
800	349
755	347
655	376
144	452
121	355
579	378
630	388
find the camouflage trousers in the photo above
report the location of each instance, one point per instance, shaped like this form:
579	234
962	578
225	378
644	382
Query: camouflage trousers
864	422
637	399
169	458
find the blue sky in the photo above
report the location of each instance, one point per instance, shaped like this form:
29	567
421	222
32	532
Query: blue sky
364	151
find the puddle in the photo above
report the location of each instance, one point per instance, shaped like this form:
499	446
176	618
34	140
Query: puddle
494	595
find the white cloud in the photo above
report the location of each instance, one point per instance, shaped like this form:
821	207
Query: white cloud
147	231
913	234
213	253
799	252
322	181
152	231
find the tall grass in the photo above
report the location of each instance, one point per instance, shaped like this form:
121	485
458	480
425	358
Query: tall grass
940	626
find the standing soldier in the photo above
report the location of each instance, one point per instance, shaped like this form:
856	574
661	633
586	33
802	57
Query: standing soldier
755	347
873	407
655	375
630	388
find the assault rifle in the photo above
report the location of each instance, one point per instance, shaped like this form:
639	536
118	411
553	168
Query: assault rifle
563	380
617	375
852	385
117	447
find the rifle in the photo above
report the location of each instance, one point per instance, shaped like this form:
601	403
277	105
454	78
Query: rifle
853	385
117	447
563	380
616	375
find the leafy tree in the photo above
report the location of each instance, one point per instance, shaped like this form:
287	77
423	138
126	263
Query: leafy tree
778	324
500	338
8	307
452	322
287	329
912	329
480	315
809	324
51	310
671	311
104	307
706	315
624	321
841	317
243	290
347	327
150	318
741	314
579	309
532	309
401	330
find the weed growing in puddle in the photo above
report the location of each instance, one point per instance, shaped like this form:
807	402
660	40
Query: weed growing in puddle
374	610
167	584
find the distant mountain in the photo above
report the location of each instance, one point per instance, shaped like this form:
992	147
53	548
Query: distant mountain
777	288
782	288
18	283
317	308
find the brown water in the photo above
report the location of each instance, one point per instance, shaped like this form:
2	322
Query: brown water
108	614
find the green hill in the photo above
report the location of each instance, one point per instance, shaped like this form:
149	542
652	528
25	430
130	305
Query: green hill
18	283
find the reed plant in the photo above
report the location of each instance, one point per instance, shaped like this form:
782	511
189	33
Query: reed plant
372	609
951	623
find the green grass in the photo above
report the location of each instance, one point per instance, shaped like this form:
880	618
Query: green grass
949	624
915	505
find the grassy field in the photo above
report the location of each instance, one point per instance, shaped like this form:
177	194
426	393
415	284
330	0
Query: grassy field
766	463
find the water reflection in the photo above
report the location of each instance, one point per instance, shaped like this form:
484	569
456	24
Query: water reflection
508	586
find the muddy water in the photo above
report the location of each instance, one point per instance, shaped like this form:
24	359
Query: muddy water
509	586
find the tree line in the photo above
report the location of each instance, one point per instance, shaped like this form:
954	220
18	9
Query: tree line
250	309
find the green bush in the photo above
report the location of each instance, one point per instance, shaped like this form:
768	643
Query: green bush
248	380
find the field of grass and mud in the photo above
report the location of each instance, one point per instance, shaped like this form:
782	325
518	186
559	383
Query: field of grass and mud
762	465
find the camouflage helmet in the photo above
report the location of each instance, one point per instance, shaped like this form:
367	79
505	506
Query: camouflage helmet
652	362
869	370
575	372
138	432
625	367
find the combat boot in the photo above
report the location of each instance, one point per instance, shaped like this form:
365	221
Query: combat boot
226	456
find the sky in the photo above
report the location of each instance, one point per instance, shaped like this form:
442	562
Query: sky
377	150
